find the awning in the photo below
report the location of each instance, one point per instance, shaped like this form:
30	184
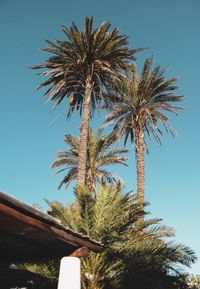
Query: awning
27	234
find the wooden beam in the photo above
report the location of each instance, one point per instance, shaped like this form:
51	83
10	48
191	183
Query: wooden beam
81	252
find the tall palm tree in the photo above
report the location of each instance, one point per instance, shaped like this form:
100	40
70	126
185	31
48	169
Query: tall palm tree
147	101
82	68
101	152
141	256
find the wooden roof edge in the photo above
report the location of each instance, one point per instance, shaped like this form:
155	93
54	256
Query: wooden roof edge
47	219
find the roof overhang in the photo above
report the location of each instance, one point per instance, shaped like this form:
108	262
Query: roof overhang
27	234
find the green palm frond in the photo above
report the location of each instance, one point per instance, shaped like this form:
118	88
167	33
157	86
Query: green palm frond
85	206
49	270
68	216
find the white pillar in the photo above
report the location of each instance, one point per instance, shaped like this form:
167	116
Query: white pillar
69	275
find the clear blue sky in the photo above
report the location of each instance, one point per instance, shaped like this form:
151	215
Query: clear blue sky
30	135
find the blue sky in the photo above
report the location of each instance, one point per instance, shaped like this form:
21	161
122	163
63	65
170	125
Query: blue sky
31	134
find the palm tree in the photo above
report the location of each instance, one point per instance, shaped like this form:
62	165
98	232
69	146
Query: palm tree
140	113
100	153
132	255
83	68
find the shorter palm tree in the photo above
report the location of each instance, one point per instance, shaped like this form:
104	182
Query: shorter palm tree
101	152
147	99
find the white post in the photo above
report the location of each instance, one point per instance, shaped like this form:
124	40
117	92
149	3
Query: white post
69	275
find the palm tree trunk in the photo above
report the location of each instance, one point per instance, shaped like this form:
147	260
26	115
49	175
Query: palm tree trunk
139	148
84	134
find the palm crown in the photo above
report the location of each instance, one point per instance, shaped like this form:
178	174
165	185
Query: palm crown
144	100
101	152
98	53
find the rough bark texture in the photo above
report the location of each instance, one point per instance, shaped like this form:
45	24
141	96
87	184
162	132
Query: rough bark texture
84	135
139	142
